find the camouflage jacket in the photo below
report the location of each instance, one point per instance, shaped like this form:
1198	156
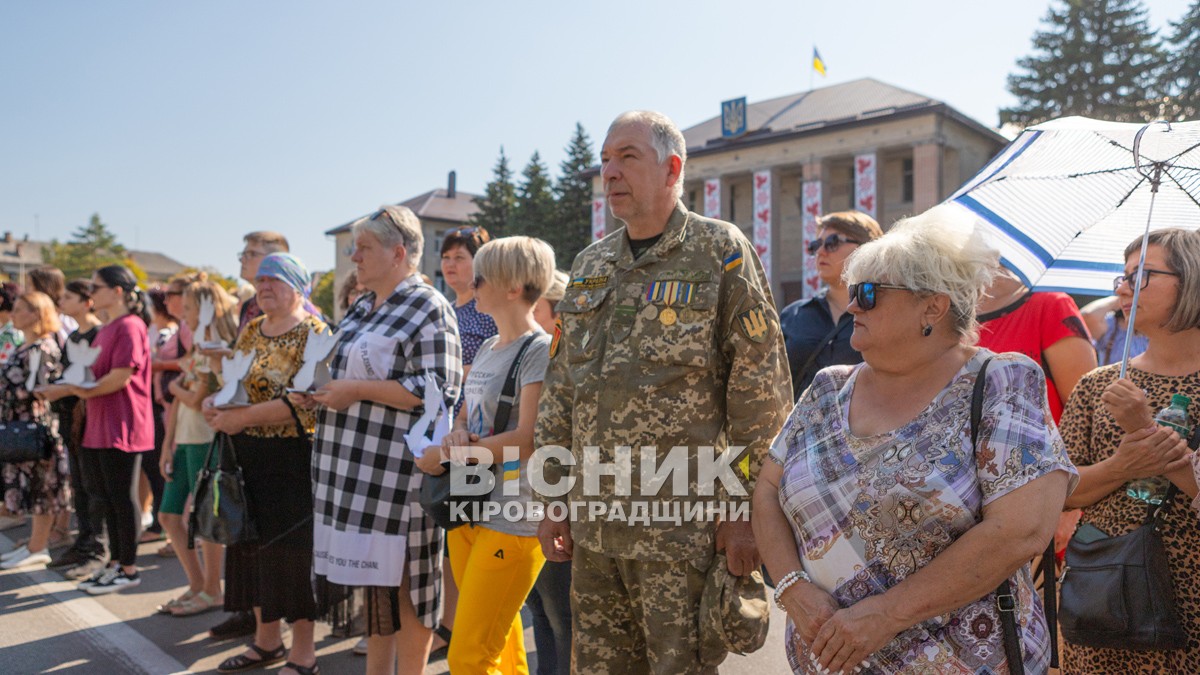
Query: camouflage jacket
678	348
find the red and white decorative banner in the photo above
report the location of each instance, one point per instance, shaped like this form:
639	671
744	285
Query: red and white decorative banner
599	217
865	184
762	219
712	198
810	211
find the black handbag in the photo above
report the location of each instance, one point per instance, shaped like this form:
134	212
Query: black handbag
220	510
1117	591
437	498
24	442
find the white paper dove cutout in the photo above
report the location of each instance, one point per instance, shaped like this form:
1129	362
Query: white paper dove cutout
435	415
81	355
207	312
314	372
35	363
233	369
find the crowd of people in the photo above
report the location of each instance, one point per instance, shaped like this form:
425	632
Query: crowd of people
896	460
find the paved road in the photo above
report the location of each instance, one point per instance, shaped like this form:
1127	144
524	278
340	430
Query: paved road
47	626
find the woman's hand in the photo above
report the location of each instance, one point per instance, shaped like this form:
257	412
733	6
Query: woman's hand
853	634
1127	404
215	355
458	447
809	608
231	421
1150	451
337	394
304	401
166	460
431	461
52	392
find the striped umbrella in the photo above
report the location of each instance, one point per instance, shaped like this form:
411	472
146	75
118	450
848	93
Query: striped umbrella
1063	200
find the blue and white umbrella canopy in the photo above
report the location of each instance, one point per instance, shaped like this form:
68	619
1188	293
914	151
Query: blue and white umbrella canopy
1063	201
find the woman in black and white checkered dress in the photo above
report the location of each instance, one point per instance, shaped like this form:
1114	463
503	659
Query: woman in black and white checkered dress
399	338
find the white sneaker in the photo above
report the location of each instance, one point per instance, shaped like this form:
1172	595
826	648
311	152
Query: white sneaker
111	583
18	552
147	519
35	558
97	577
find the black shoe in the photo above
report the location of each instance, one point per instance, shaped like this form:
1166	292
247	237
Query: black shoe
238	624
72	557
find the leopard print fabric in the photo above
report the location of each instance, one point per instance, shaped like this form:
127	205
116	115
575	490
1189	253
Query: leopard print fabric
1092	435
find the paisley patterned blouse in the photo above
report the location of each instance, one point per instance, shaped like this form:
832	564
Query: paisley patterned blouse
276	361
868	512
34	487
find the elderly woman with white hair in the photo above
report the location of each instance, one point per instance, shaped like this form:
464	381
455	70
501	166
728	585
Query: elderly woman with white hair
888	515
399	338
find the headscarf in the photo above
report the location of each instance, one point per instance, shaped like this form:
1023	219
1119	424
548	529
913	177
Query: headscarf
288	269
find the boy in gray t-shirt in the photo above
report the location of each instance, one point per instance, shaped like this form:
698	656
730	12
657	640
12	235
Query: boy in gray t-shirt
482	394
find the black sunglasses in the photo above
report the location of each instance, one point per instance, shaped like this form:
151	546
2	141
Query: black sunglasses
477	281
864	293
1128	278
831	243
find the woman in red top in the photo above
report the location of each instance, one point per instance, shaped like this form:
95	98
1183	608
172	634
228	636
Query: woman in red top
120	423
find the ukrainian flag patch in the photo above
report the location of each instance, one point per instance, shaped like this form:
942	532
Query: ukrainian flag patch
733	261
512	470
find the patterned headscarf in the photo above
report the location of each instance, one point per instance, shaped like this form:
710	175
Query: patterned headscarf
288	269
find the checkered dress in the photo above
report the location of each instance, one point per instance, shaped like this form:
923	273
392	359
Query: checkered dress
364	478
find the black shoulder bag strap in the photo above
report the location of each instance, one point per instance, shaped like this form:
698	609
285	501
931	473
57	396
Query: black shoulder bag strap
1006	602
812	356
508	395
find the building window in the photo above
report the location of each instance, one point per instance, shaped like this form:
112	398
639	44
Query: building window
853	182
906	180
733	203
692	200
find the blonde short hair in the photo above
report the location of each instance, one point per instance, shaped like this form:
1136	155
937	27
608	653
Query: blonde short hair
558	288
272	242
517	262
937	252
46	311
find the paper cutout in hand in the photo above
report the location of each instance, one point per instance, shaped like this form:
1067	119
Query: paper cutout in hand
314	372
207	312
435	415
233	369
81	355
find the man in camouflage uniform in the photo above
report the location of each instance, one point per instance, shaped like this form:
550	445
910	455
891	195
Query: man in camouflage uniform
669	339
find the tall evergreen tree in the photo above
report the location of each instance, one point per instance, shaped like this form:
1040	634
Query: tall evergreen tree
1181	77
91	247
535	202
574	193
1097	58
498	204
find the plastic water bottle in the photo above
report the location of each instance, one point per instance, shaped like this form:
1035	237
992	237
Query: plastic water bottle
1174	416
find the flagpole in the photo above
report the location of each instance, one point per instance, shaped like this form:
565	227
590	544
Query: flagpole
811	68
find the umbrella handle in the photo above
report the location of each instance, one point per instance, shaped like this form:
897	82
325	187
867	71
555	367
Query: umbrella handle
1155	178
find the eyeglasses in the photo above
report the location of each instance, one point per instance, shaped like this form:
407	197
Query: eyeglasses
477	281
864	293
831	243
1128	278
249	254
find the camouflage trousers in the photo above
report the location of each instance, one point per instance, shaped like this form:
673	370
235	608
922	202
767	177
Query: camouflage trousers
636	616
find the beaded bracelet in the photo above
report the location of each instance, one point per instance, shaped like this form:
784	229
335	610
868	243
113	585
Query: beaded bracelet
786	582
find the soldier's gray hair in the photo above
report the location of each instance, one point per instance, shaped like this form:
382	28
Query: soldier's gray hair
936	252
665	138
394	226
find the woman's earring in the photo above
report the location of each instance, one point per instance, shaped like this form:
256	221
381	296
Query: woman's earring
927	330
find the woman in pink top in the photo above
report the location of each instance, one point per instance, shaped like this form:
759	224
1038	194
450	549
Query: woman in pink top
120	424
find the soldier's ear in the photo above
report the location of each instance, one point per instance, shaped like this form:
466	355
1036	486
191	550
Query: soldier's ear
674	170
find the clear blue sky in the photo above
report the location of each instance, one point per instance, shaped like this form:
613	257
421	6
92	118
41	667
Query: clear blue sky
187	124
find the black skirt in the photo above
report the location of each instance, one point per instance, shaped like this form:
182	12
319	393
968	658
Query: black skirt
274	573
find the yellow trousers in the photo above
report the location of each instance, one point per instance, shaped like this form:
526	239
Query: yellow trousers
494	572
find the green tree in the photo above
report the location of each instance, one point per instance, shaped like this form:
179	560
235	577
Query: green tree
90	248
1097	58
535	209
322	295
498	204
574	194
1181	77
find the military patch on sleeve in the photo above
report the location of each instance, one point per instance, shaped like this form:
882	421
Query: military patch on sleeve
557	337
732	262
588	282
753	323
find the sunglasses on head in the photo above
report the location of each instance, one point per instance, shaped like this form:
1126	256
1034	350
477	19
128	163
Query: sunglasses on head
831	243
863	294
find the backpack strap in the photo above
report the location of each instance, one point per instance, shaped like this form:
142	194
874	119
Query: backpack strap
508	395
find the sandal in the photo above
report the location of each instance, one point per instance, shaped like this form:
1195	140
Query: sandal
167	550
169	606
236	664
197	604
441	652
301	670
